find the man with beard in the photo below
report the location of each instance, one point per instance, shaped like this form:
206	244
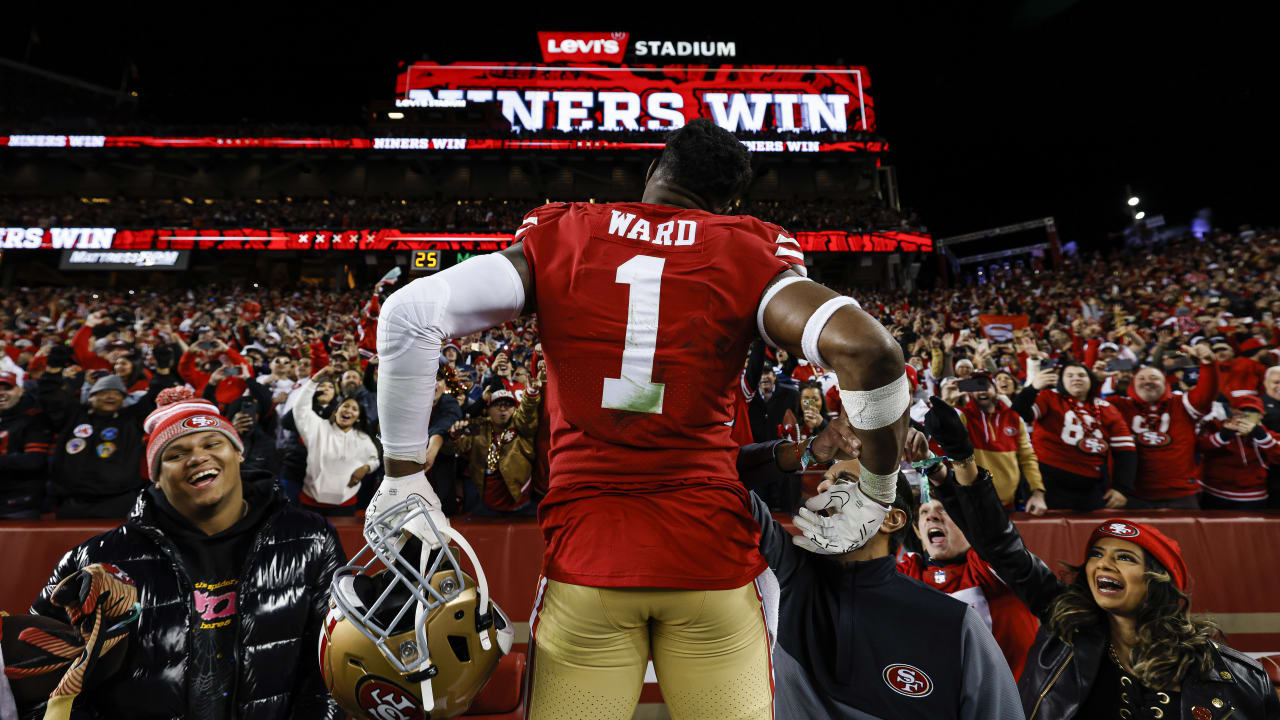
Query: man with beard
1164	430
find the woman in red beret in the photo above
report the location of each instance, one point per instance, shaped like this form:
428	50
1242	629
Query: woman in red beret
1118	640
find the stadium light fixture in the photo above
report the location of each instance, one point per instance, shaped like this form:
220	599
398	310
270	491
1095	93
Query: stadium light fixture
1140	215
395	116
1133	201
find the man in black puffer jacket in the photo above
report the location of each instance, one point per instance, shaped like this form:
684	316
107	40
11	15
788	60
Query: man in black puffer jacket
232	579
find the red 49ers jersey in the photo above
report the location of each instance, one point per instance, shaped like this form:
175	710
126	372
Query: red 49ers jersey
1077	436
645	313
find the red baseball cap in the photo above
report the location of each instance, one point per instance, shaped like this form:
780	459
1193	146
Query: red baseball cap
1160	546
8	378
1252	402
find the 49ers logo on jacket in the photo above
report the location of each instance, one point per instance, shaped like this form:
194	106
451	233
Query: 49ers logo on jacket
908	680
1119	529
384	700
1092	445
1153	439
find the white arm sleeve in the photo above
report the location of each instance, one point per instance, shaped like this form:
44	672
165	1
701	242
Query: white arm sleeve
471	296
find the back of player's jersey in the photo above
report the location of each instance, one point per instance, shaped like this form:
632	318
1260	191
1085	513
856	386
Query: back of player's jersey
645	314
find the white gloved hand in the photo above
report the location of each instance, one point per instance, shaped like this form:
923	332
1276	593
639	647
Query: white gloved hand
396	490
854	520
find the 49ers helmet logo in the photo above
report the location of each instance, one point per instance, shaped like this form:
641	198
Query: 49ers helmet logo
199	421
1092	445
1153	439
908	680
1119	529
384	700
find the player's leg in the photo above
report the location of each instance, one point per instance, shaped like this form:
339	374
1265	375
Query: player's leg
592	646
711	653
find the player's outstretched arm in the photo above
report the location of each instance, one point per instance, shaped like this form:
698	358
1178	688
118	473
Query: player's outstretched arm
473	295
814	322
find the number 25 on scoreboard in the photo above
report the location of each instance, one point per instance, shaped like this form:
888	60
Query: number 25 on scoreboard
425	261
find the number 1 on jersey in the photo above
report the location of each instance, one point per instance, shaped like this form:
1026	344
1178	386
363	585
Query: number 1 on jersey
635	390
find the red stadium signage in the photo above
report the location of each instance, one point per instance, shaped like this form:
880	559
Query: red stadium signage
433	144
741	99
370	239
582	46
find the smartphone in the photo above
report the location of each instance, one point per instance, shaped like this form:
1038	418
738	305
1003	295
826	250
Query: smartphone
1121	365
205	345
973	384
233	371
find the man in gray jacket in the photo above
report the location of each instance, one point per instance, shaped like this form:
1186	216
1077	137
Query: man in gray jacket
856	639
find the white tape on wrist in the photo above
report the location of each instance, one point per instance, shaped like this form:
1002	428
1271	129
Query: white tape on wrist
881	488
813	329
419	457
774	289
874	409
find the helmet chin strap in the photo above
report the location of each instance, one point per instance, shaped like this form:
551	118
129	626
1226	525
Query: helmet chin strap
428	698
481	582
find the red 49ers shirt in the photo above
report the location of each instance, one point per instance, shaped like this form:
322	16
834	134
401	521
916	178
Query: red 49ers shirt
646	312
1165	435
1075	435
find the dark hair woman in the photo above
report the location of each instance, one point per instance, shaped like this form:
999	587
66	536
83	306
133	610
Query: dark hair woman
1119	639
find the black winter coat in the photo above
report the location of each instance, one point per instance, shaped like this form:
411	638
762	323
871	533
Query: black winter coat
1058	678
283	600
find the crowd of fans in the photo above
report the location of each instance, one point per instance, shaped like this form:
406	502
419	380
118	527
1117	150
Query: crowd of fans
489	215
1134	380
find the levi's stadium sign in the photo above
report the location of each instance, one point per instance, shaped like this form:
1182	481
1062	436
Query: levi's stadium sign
610	47
741	99
77	242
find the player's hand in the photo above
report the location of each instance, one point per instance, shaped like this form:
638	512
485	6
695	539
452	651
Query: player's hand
394	490
1114	499
1035	503
838	520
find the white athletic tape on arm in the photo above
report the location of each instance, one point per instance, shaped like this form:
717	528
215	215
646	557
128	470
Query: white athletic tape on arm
881	488
813	329
473	295
874	409
774	289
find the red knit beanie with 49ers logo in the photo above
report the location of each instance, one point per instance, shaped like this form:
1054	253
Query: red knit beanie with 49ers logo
168	423
1160	546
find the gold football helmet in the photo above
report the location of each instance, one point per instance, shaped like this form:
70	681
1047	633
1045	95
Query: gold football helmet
416	639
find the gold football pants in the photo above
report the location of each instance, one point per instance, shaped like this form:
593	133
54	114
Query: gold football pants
710	652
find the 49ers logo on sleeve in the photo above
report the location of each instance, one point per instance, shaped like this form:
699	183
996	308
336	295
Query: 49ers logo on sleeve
908	680
1119	529
199	421
384	700
1153	439
1092	446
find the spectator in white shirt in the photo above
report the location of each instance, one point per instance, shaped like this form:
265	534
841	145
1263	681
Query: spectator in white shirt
341	451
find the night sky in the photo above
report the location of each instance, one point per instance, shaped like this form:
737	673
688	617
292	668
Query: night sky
995	115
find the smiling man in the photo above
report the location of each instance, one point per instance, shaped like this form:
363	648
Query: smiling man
233	582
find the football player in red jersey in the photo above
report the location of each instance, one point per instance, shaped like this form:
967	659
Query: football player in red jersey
1164	431
1077	435
646	311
